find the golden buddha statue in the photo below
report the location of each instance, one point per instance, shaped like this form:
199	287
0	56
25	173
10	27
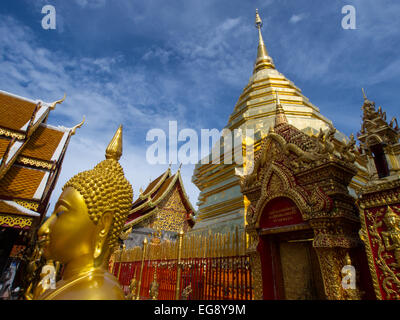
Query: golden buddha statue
132	289
84	229
391	237
153	291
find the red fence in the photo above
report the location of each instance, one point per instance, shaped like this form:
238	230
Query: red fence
224	278
211	268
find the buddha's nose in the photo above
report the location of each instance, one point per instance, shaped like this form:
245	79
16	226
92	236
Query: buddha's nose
44	230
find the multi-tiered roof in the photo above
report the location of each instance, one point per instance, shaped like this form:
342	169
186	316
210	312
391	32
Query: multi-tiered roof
163	205
31	154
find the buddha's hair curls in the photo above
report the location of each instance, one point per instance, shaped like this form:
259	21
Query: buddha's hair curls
105	188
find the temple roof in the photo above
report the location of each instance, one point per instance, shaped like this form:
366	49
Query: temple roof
18	111
44	143
31	153
157	190
375	128
23	183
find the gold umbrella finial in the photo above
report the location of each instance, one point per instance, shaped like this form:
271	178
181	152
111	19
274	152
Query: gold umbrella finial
258	20
263	61
114	149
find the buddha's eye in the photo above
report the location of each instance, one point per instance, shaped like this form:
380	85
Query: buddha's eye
59	213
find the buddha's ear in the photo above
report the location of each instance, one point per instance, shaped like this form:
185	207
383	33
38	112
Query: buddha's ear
103	229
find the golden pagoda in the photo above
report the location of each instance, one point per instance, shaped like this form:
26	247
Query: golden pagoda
221	204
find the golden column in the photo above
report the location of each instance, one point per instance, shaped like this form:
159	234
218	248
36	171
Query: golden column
179	267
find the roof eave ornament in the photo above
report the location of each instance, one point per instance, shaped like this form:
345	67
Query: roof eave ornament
53	105
79	125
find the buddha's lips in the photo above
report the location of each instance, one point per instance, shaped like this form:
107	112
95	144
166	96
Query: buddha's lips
43	240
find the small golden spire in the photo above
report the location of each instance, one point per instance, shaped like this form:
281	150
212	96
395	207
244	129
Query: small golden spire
280	116
114	149
263	59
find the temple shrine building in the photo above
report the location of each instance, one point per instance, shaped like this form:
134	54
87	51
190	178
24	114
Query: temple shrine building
316	207
162	208
31	156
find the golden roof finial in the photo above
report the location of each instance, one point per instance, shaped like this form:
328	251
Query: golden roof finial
114	149
364	95
53	105
264	61
73	130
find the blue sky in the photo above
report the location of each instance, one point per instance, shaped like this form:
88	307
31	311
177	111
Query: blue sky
142	63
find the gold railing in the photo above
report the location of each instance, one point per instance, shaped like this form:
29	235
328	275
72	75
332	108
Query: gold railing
192	267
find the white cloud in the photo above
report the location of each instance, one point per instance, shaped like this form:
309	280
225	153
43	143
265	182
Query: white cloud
297	18
129	97
91	3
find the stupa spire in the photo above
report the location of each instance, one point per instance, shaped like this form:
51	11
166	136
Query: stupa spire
263	61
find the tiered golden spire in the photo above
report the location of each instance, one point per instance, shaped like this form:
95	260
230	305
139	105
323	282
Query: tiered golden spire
264	61
280	116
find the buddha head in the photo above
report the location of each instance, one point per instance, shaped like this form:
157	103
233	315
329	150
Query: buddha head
90	213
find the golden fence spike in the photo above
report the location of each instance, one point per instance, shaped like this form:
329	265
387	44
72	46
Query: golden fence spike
220	247
236	241
225	245
228	244
215	245
193	254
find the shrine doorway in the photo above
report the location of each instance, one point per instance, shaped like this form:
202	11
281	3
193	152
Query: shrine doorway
290	267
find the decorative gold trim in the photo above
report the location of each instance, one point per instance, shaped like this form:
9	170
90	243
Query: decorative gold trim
31	205
15	221
371	264
36	163
12	134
